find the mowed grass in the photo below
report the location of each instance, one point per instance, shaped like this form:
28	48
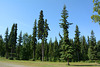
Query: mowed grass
48	64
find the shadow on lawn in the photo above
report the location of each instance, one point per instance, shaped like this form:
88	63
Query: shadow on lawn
85	65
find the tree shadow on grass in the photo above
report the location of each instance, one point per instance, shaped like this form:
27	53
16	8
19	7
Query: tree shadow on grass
85	65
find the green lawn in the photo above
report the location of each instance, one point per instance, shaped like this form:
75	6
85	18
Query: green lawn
49	64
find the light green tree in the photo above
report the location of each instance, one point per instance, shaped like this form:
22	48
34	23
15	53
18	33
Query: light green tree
96	11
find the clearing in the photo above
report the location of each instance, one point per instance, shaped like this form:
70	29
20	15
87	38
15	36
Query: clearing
21	63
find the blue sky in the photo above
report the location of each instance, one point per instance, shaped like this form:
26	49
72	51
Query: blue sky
24	13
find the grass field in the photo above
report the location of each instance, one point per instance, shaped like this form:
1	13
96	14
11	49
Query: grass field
46	64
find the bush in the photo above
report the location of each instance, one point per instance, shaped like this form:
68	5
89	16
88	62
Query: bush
90	61
17	58
11	58
33	59
98	61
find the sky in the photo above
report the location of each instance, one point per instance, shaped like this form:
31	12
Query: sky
24	13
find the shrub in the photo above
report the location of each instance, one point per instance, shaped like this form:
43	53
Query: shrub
98	61
17	58
11	58
90	61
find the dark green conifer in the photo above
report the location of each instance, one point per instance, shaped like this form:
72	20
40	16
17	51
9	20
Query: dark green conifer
55	50
42	31
77	44
66	52
13	41
19	46
34	39
92	51
6	43
50	50
2	47
84	49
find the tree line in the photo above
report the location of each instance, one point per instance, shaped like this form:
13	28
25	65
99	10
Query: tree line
26	47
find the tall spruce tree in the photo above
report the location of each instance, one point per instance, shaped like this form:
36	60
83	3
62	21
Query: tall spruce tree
34	40
50	50
6	42
30	46
19	47
84	48
2	47
13	41
77	44
92	52
66	52
26	50
98	50
46	29
55	49
43	29
15	37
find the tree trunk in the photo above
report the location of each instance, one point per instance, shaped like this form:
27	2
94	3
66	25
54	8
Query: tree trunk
33	55
7	50
11	52
68	61
42	49
18	53
47	53
78	55
7	55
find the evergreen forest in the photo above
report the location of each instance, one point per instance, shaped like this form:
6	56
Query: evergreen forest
34	47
